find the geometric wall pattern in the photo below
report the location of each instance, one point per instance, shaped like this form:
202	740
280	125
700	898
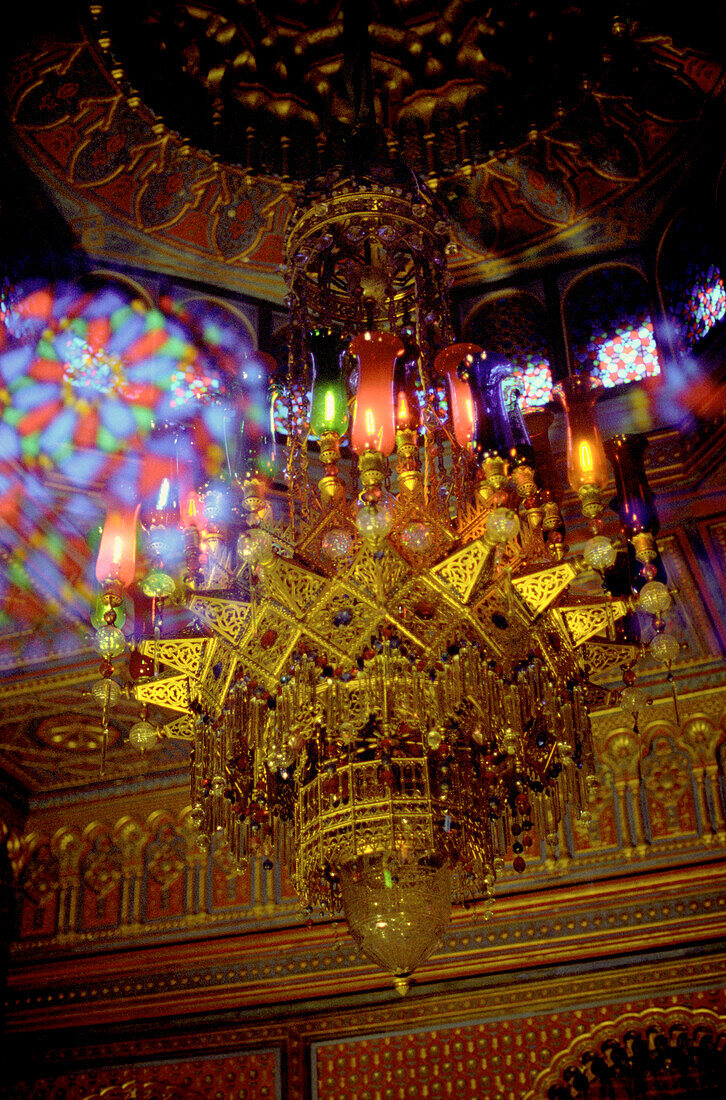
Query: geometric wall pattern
514	1059
651	1045
253	1075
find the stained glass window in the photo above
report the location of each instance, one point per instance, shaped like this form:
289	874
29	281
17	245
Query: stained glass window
610	327
514	327
692	281
704	303
290	405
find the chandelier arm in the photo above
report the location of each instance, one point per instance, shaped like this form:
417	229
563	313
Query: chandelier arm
391	619
463	612
313	634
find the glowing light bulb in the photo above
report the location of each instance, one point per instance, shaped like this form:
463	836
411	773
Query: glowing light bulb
586	462
163	497
402	413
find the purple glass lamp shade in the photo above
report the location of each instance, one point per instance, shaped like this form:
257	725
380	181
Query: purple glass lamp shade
633	501
257	442
406	375
498	429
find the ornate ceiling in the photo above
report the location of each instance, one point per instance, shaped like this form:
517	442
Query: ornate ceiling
178	134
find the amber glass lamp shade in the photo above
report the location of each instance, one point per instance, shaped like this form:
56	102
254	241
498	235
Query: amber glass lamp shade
116	561
374	427
329	407
586	462
633	501
461	401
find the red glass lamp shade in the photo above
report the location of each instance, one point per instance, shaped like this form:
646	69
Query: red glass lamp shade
374	427
116	561
461	402
586	462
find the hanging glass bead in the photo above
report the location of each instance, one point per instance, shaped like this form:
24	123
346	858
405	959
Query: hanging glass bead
143	736
417	537
109	641
654	598
158	585
632	699
599	553
336	543
502	526
106	692
664	649
375	522
255	547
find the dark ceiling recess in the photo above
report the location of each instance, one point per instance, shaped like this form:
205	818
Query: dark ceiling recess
462	82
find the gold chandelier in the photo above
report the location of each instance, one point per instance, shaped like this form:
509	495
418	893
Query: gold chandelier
387	683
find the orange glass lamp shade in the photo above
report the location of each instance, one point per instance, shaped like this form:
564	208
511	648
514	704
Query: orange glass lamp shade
586	462
116	561
374	422
329	406
461	401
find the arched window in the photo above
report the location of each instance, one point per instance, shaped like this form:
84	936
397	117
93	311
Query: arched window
514	326
609	326
691	281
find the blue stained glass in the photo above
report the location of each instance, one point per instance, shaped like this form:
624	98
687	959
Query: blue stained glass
514	327
702	304
610	328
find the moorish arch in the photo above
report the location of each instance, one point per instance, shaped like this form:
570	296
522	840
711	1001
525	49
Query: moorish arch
673	1052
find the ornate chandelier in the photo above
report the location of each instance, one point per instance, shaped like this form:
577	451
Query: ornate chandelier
386	677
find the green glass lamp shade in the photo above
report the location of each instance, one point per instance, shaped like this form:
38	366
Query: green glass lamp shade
329	408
